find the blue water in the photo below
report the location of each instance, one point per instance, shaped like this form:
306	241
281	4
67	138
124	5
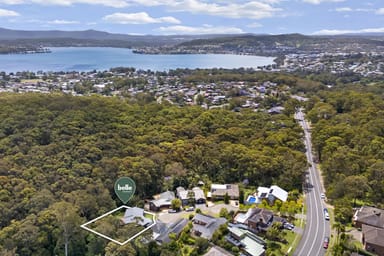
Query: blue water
251	199
104	58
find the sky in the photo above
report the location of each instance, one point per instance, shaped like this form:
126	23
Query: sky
170	17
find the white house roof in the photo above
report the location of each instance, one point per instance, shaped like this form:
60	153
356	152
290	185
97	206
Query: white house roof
263	192
183	194
279	193
241	218
218	186
199	193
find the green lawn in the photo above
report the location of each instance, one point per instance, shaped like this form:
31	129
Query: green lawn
290	237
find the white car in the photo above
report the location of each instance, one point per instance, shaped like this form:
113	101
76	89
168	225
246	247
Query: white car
322	195
326	214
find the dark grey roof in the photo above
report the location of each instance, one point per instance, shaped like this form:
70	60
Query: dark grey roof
159	227
206	231
201	218
261	215
164	199
175	227
167	195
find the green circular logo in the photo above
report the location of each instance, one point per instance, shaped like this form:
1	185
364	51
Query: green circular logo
125	188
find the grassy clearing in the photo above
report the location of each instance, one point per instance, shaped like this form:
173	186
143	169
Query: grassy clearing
290	237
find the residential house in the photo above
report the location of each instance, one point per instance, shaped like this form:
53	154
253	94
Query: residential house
199	195
249	243
136	215
271	194
218	191
195	196
260	220
205	225
276	110
373	239
370	216
161	231
217	251
242	218
256	219
182	194
162	201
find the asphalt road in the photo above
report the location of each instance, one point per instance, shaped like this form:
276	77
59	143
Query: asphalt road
316	228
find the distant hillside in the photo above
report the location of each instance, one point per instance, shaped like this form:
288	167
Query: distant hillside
12	41
285	40
273	45
8	34
51	36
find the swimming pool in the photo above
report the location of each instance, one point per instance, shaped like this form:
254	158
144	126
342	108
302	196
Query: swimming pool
251	200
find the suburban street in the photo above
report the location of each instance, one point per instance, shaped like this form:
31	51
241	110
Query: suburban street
316	228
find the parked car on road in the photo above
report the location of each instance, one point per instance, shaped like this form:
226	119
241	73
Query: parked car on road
326	242
326	214
190	209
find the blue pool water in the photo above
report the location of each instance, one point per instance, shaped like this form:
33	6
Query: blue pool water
251	199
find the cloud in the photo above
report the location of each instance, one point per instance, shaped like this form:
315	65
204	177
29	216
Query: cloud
206	29
255	25
110	3
357	31
321	1
250	9
349	9
52	22
152	2
8	13
63	22
344	9
138	18
11	2
380	11
257	9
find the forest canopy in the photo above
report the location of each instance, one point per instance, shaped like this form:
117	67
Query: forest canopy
348	137
60	156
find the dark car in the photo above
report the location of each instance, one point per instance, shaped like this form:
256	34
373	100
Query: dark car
326	242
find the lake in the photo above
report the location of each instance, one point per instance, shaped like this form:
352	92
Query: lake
104	58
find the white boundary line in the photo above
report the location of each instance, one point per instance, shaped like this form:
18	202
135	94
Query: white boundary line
84	226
